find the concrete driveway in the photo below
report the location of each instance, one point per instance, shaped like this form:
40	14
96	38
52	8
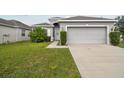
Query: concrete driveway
95	61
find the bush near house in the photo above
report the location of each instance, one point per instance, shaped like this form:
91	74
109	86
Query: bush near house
38	35
63	37
121	44
114	38
48	39
120	25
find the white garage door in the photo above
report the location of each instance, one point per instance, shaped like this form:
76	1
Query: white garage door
95	35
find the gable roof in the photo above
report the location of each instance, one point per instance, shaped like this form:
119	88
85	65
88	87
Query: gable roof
43	25
86	18
54	19
20	24
5	22
14	23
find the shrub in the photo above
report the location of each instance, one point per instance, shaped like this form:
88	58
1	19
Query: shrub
63	37
48	39
114	38
38	34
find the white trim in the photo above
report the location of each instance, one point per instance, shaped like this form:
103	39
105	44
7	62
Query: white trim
107	26
87	20
108	35
85	26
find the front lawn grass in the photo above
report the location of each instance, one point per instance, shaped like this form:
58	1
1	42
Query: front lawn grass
30	60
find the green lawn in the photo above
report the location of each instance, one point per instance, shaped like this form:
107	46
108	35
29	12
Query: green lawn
26	59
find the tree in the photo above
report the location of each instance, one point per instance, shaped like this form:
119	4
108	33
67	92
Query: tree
38	34
120	25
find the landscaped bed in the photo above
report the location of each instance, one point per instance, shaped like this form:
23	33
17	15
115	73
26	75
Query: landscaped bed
121	44
26	59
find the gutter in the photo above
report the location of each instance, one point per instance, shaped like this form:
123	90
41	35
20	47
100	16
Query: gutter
87	20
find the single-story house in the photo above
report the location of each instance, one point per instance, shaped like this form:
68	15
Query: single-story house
82	29
13	30
48	27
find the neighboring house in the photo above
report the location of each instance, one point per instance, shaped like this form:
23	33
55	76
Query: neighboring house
48	27
83	29
51	29
13	30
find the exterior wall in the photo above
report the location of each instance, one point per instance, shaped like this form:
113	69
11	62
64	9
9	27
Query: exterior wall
7	30
57	35
14	34
63	25
107	24
20	37
0	36
49	32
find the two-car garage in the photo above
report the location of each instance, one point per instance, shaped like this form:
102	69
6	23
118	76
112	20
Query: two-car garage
86	35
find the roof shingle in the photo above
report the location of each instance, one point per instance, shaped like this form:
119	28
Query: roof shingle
43	24
85	18
14	23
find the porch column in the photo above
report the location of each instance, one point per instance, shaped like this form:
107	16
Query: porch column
51	32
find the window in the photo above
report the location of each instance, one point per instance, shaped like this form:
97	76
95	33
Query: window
23	32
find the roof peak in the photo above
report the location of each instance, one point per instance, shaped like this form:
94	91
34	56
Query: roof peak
86	18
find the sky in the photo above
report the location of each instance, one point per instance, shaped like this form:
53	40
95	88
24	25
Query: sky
34	19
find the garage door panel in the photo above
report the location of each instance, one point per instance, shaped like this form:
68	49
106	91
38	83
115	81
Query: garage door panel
86	35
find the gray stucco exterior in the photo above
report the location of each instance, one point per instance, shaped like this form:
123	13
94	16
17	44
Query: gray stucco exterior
65	25
13	30
49	32
14	34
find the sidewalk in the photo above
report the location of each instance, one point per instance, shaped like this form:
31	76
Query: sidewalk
54	45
